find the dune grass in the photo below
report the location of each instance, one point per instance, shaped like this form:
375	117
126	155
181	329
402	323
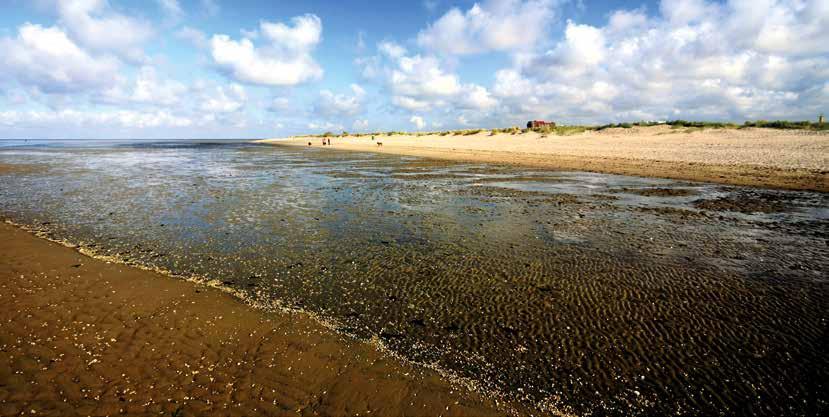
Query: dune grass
787	124
687	126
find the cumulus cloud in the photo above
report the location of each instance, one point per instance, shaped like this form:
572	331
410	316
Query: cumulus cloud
696	59
495	25
339	105
418	122
46	58
421	83
475	97
284	59
95	25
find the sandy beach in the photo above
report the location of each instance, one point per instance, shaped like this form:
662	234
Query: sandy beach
81	336
788	159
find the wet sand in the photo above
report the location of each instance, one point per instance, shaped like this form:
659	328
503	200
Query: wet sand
80	336
788	159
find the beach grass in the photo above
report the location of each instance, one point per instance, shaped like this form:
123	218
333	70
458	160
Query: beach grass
569	130
787	124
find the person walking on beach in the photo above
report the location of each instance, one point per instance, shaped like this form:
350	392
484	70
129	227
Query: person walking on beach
329	141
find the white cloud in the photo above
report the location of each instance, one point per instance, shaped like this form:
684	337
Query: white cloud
148	88
285	60
95	25
698	59
338	105
419	76
391	49
46	58
418	122
409	103
302	37
495	25
475	97
583	48
224	99
680	12
420	83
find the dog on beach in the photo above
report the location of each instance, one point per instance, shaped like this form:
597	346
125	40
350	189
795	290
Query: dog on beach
379	143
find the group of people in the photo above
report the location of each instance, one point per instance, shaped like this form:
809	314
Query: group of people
325	141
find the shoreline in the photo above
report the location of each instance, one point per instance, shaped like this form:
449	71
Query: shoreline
85	335
760	157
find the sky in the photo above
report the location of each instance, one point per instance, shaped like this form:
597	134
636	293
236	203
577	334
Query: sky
252	69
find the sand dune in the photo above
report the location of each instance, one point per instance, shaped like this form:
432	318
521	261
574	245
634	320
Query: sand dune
792	159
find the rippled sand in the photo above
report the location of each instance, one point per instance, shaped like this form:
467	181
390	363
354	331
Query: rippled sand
567	291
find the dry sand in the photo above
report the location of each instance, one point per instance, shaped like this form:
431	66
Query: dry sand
80	336
792	159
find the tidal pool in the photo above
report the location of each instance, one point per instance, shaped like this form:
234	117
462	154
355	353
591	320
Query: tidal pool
578	292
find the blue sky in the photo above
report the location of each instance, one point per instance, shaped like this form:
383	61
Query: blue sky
244	68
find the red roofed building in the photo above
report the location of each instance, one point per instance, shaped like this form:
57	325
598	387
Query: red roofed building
533	124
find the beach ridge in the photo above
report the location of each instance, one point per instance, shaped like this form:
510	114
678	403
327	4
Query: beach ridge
760	157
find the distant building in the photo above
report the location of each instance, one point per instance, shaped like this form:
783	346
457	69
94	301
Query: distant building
533	124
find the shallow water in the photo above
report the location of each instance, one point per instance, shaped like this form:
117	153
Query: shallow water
573	291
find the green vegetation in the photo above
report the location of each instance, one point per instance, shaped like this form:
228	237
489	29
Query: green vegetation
676	124
611	125
786	124
559	130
